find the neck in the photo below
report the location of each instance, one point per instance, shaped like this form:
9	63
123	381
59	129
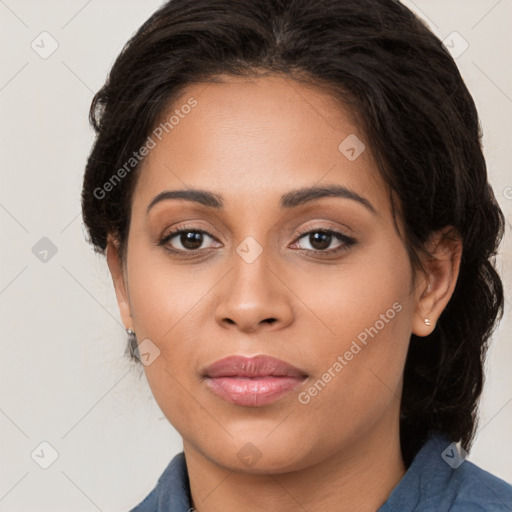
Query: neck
360	476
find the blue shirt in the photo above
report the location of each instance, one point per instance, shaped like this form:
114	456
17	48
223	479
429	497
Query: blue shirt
432	483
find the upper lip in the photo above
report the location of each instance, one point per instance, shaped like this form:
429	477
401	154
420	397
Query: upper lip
257	366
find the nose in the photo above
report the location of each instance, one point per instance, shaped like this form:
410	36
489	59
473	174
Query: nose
254	297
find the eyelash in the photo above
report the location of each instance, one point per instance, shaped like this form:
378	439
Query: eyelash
348	242
341	237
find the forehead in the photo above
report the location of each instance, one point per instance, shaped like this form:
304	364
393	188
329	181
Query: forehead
253	138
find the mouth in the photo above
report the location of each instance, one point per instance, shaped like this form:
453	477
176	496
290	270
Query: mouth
252	381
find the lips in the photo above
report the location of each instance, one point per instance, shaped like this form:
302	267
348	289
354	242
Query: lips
252	381
257	366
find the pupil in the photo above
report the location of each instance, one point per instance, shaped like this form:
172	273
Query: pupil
320	240
191	240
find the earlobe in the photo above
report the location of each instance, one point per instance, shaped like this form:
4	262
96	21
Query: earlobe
436	287
119	280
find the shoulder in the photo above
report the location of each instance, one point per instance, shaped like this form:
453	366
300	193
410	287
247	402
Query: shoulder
440	479
172	491
475	490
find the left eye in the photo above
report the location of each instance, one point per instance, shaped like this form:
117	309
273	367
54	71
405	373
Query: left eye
321	239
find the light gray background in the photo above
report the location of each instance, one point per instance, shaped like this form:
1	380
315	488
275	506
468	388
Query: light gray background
64	379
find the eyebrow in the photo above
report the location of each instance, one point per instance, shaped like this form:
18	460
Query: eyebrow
289	200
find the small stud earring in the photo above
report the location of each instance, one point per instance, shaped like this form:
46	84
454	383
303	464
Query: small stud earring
427	321
130	332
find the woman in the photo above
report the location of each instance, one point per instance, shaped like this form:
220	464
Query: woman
294	207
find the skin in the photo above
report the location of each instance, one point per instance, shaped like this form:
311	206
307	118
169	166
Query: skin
251	141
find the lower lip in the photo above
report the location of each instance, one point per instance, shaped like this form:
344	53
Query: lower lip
252	392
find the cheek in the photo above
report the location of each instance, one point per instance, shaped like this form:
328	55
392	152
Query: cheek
369	292
166	304
359	372
364	316
164	297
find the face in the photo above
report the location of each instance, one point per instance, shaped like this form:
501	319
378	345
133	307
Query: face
321	281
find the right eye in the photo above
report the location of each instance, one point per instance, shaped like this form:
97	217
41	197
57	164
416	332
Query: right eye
189	239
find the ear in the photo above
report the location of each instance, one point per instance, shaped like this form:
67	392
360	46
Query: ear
120	281
435	286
